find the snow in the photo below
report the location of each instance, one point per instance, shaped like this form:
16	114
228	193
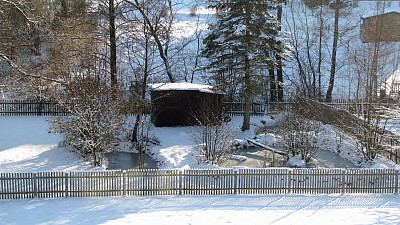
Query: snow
239	157
393	79
177	148
296	162
195	210
182	87
26	146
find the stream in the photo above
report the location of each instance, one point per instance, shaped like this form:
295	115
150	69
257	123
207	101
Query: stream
328	159
128	160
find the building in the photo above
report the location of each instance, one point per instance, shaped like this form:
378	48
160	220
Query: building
391	87
185	104
315	3
381	28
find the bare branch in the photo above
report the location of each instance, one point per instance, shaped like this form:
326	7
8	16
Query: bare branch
17	7
25	73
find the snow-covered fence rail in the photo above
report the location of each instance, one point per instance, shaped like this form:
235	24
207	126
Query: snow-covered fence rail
198	182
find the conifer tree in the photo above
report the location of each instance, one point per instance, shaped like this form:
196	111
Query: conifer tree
243	41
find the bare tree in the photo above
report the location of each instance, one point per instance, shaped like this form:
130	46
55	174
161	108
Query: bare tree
308	37
23	26
159	25
337	7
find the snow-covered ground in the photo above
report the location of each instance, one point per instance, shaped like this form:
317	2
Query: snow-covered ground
196	210
26	146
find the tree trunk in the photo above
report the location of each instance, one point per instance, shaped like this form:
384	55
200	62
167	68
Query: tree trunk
328	97
272	84
279	70
247	96
321	33
142	92
113	44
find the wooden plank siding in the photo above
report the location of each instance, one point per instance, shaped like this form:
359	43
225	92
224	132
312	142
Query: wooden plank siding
147	182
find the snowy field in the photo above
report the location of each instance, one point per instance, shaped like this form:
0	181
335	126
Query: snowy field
26	146
218	210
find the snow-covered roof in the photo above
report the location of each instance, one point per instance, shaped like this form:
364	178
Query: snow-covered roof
372	13
183	87
391	82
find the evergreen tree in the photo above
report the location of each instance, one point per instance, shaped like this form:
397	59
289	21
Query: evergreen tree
243	41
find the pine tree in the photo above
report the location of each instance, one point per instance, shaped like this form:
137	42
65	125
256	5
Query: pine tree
243	41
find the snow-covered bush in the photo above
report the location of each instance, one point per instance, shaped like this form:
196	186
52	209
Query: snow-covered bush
96	119
214	141
213	136
300	136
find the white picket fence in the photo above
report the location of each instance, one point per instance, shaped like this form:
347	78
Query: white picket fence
198	182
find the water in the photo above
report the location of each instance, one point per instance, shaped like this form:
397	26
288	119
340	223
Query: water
330	159
128	160
256	158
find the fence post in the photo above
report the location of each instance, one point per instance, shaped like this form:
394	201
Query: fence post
289	182
235	181
66	180
124	183
180	180
40	105
396	184
343	191
35	188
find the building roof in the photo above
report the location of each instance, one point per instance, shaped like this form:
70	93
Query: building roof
183	87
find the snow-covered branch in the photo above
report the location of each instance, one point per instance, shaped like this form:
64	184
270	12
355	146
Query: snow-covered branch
24	72
19	9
